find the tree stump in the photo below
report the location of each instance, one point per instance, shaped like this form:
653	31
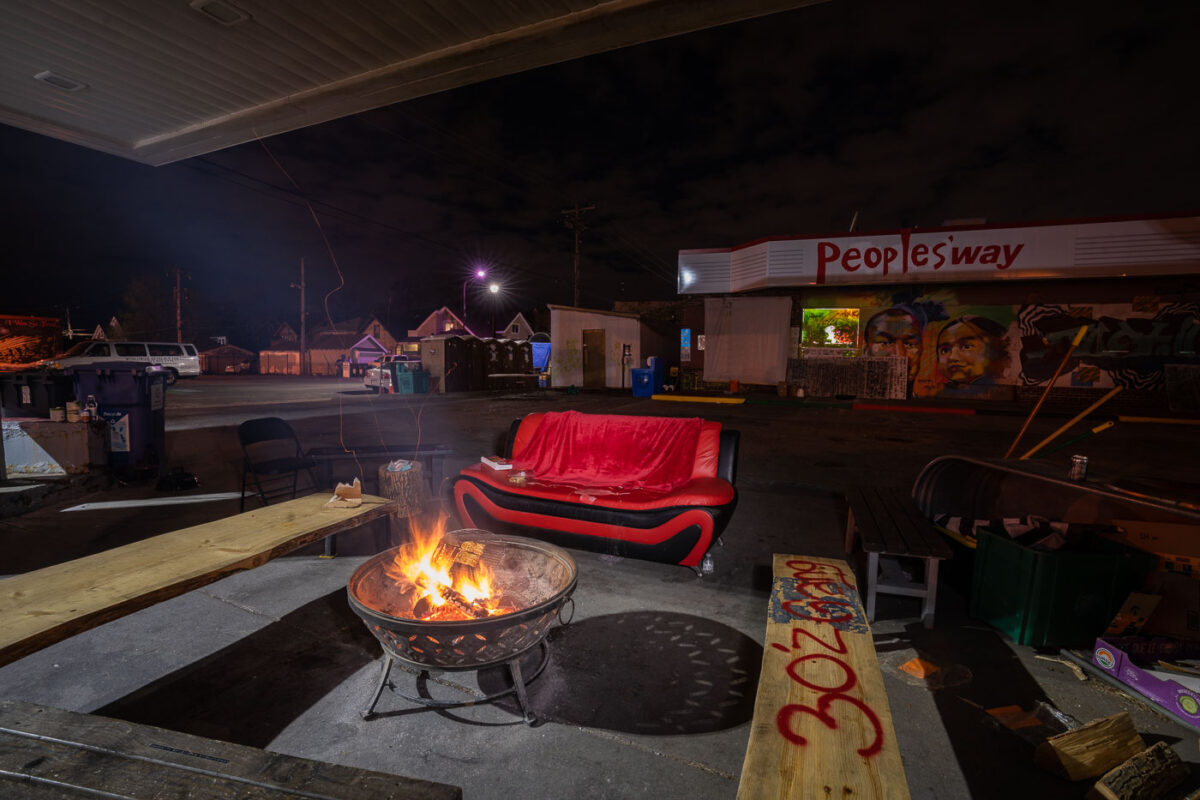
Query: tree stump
409	492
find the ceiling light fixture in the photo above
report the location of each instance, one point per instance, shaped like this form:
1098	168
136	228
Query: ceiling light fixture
59	81
219	11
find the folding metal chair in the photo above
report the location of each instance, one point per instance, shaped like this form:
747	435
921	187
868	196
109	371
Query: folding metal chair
272	458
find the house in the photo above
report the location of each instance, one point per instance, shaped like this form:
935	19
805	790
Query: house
359	341
282	355
518	328
440	323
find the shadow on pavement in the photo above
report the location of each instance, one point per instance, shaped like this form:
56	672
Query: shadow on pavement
647	672
249	692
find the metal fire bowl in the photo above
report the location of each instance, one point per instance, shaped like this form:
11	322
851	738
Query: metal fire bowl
545	573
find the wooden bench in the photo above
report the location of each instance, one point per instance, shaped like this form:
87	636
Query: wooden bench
48	605
51	753
889	523
822	726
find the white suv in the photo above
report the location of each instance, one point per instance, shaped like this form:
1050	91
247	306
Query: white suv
379	375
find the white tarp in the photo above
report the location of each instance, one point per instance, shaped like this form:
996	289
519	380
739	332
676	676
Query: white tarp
747	339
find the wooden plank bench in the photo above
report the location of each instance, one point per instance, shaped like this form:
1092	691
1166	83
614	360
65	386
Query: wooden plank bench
804	743
51	753
48	605
889	523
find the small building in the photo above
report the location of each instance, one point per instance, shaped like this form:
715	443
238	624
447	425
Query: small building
593	349
228	359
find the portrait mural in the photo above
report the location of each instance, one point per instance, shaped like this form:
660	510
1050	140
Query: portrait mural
976	351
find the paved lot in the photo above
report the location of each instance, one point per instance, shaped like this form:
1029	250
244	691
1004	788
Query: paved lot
274	657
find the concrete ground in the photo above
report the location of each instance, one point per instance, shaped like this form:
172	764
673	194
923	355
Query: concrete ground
274	657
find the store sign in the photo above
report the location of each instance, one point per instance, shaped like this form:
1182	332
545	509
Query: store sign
1118	248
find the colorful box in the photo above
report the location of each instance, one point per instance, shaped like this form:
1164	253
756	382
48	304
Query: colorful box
1181	702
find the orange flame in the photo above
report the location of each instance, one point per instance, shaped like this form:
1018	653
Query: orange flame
440	582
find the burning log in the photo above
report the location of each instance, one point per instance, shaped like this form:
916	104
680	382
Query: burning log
425	607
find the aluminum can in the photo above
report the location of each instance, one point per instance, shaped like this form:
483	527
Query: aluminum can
1078	468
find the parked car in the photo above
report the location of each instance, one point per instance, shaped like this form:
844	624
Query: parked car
379	375
180	360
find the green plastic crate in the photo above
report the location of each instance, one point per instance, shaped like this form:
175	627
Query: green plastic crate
1063	598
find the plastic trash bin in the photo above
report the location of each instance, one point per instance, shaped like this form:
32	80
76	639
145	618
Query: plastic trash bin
33	393
643	382
131	398
402	379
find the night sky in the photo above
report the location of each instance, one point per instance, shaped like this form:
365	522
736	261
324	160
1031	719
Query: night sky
906	114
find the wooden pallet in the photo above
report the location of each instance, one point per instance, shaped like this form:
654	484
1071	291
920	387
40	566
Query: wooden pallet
822	727
50	753
888	523
48	605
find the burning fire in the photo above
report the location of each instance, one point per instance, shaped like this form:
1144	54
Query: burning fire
445	582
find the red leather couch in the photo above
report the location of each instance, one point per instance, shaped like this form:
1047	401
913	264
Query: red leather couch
656	488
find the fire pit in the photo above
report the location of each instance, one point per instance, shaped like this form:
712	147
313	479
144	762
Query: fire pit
467	600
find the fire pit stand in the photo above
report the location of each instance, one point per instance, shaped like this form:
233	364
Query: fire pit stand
537	579
514	669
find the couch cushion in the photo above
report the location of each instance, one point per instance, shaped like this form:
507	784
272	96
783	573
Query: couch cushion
609	450
695	492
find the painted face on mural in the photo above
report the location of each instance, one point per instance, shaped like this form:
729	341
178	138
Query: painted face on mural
968	350
895	333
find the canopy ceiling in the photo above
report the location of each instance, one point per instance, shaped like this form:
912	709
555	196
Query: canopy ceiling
157	81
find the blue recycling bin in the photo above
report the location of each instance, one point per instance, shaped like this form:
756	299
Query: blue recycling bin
131	399
643	382
655	363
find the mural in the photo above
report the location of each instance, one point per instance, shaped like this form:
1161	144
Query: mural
1125	345
956	350
24	340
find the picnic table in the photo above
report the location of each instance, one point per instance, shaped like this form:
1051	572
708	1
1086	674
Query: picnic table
48	605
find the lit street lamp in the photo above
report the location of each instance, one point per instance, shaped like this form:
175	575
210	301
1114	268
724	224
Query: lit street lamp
494	288
480	273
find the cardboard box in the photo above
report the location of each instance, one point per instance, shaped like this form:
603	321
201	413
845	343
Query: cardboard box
1178	613
1183	703
1177	544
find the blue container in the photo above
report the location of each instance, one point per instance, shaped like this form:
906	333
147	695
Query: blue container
643	382
420	379
656	365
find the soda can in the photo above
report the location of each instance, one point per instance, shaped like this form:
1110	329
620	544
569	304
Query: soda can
1078	468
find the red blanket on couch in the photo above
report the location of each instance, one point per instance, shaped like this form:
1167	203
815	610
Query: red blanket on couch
656	453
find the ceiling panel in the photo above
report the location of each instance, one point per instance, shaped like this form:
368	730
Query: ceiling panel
161	80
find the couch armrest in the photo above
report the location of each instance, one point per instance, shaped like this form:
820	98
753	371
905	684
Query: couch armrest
512	437
727	458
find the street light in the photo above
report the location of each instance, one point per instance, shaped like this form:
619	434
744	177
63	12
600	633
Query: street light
480	273
494	288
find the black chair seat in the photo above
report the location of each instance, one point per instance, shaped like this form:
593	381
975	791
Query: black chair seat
272	459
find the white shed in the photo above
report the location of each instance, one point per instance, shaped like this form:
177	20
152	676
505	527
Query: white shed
593	349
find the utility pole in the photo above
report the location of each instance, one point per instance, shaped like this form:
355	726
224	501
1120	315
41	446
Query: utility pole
303	322
178	309
572	219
